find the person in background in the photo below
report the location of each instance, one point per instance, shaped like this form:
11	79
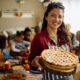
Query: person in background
78	36
78	47
72	41
37	29
4	47
27	34
9	35
4	53
52	35
9	39
19	47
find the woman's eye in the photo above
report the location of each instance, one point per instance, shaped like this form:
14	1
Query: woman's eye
60	16
56	16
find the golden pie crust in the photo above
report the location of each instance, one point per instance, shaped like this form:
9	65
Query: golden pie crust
59	59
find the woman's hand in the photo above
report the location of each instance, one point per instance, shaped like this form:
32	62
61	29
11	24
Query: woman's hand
35	62
73	51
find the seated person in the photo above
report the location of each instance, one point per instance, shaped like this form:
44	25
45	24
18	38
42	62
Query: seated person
37	29
5	54
19	47
78	36
28	34
4	47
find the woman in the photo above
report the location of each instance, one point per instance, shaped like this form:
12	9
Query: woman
52	35
4	47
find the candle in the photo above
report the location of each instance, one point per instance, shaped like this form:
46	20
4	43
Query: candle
7	65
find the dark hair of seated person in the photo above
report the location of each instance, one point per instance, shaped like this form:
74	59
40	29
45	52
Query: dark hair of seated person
19	33
2	41
27	30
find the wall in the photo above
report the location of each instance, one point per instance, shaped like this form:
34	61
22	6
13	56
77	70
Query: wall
21	23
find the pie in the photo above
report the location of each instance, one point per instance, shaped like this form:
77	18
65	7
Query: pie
59	58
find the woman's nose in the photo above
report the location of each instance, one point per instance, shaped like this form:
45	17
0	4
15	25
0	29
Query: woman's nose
56	19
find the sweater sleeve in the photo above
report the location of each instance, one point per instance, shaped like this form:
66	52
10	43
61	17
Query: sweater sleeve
35	49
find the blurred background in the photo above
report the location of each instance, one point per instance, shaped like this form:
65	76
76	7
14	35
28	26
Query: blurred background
17	14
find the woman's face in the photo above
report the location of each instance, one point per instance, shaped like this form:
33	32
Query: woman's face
55	18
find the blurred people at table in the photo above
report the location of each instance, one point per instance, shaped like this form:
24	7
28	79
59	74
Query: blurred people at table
19	47
78	47
3	56
78	36
4	47
27	34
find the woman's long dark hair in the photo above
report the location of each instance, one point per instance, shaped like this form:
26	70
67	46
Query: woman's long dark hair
62	33
61	28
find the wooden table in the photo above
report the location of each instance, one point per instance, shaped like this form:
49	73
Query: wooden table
31	76
28	75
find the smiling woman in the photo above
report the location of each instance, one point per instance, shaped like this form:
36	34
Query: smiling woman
52	35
